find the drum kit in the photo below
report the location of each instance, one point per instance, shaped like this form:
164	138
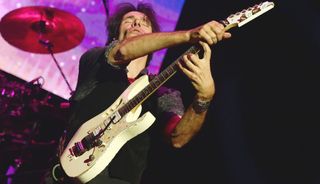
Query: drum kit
40	30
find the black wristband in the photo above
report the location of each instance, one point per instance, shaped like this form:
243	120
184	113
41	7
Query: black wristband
200	105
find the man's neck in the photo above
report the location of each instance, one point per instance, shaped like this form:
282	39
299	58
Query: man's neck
136	66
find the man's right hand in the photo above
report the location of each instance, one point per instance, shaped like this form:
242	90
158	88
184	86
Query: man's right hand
211	33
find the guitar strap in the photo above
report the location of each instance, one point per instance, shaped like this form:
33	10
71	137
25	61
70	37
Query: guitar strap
57	173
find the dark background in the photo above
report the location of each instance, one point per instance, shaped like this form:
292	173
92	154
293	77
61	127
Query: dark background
263	125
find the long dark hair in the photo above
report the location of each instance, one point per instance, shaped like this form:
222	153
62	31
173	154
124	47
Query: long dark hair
113	22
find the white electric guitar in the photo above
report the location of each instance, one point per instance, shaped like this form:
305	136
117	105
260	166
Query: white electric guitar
99	139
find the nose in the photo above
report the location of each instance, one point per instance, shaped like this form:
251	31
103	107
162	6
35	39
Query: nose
136	22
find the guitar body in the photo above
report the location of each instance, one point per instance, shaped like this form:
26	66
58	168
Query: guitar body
85	167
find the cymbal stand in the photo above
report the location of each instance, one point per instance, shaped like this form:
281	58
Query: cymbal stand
49	45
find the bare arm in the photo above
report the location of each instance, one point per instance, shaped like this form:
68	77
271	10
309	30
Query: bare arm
199	72
142	45
135	47
188	127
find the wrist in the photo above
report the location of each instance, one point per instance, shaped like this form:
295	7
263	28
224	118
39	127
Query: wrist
204	96
185	35
200	105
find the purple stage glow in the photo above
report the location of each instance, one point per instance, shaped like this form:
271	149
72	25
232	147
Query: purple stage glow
29	66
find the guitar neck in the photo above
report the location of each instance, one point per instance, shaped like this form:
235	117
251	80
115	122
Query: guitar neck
157	81
234	20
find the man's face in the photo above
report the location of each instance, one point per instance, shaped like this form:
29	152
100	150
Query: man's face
134	23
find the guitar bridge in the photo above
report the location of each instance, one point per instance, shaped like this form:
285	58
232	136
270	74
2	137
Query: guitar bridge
115	117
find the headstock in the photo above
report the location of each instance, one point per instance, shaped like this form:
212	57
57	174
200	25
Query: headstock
246	15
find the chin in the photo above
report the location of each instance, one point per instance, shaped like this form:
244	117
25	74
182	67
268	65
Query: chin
132	35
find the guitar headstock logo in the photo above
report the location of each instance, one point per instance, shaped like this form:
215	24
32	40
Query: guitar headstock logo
246	15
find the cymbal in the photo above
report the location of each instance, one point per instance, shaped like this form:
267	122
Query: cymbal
35	28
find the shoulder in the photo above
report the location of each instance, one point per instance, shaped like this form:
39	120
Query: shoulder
93	52
92	56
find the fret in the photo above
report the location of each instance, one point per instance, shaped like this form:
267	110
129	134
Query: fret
161	77
194	49
136	99
144	92
140	98
157	78
130	104
150	89
165	74
125	110
157	82
153	84
133	102
170	70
